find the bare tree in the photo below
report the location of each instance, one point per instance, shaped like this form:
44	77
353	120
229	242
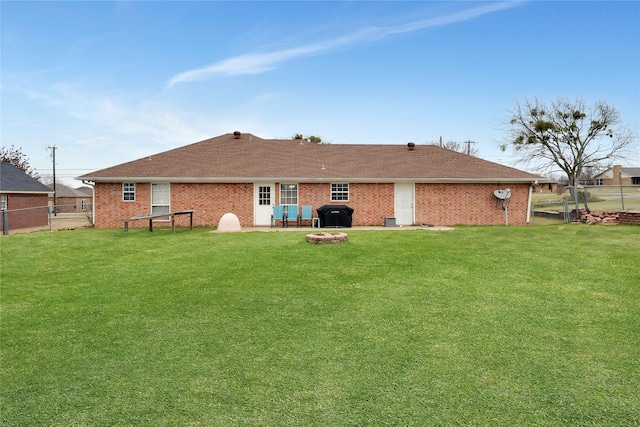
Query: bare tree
569	135
462	147
17	158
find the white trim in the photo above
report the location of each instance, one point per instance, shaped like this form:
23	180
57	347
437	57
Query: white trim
381	180
263	208
331	192
396	193
168	184
528	220
135	188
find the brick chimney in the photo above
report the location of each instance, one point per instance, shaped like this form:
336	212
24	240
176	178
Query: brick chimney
617	174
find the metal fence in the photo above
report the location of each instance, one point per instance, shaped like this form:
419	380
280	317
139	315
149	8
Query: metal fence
45	217
593	198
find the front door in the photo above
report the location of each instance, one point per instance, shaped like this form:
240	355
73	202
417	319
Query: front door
404	204
264	199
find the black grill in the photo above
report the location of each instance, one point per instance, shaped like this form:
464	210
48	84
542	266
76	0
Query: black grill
335	216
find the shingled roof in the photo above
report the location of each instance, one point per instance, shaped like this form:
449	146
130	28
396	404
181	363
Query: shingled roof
246	157
66	191
13	180
632	172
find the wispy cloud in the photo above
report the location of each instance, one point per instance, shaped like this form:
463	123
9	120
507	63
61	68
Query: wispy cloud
256	63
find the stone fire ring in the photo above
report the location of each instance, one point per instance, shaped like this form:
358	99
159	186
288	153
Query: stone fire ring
319	238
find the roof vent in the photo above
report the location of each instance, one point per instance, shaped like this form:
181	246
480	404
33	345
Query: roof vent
236	134
411	146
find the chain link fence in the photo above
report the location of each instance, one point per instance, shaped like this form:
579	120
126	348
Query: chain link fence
602	199
46	218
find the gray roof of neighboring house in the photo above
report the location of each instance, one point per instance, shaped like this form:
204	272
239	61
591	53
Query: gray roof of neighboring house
84	191
245	157
13	180
66	191
631	171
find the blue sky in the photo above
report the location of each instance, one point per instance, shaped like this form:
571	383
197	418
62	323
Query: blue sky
110	82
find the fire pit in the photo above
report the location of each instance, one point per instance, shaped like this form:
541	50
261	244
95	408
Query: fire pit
319	238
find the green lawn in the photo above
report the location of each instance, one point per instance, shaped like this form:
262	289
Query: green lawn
481	326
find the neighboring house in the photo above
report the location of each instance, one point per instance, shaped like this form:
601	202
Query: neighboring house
71	200
247	176
618	175
22	198
546	187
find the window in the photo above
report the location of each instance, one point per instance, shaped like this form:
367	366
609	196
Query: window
83	204
3	202
339	192
129	191
264	195
599	181
160	199
288	194
635	180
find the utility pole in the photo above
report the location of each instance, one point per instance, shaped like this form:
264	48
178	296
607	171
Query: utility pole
53	149
469	142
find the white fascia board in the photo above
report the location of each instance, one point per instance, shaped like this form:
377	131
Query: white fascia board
210	180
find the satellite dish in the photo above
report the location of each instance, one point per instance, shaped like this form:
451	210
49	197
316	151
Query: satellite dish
502	194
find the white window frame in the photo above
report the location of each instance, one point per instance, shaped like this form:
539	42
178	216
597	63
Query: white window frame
163	205
83	204
128	188
339	190
3	202
264	195
288	193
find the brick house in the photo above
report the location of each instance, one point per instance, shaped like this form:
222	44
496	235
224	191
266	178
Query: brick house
247	175
72	200
617	175
546	187
23	199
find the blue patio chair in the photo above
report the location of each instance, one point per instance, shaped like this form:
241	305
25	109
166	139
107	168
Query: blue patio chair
307	215
277	215
292	214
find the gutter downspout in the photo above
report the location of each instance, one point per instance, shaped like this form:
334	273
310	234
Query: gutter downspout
93	200
528	221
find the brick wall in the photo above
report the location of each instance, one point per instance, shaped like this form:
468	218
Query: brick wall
110	209
471	204
33	211
370	202
617	178
437	204
210	202
629	217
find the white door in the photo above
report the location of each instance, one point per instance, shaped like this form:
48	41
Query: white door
264	199
404	204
